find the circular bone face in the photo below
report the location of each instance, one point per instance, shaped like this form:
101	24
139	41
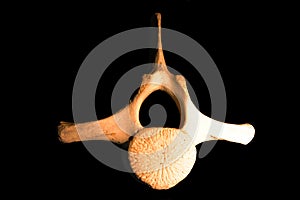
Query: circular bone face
161	157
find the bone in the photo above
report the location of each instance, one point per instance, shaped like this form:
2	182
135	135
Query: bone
203	128
114	128
160	157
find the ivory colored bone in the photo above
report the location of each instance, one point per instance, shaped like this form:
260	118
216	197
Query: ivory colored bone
161	157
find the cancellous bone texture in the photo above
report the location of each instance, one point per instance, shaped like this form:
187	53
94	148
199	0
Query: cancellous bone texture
160	157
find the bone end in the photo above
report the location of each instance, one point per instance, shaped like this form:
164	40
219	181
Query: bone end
160	60
249	134
158	17
67	132
242	134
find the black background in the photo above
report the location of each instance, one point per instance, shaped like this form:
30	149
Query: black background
54	41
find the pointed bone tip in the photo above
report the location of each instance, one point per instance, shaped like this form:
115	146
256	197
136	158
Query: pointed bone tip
158	16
